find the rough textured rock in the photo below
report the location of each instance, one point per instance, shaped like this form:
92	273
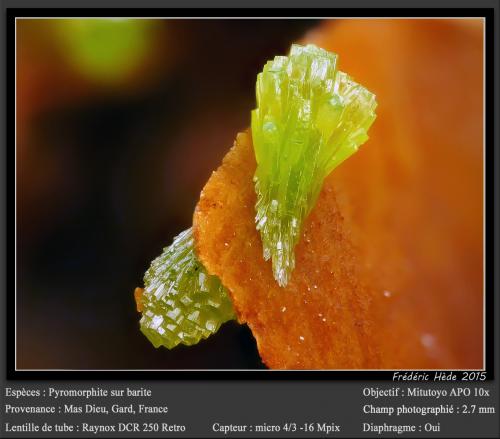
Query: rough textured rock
389	268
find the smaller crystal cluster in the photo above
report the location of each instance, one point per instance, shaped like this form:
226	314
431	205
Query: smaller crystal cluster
310	117
181	302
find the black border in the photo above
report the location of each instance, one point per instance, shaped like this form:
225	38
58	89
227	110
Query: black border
12	13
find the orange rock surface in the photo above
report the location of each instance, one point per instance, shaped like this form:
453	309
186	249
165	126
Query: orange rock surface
138	292
390	263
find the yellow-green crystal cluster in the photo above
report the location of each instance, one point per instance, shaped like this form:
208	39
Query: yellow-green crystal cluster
310	117
181	302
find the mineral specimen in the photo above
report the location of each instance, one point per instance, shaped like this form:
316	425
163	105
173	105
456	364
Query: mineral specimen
310	117
181	302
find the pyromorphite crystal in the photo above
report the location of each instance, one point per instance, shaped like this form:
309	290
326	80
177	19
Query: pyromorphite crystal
310	117
181	302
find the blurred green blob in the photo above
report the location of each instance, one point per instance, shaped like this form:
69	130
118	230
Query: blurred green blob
310	117
105	49
181	302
